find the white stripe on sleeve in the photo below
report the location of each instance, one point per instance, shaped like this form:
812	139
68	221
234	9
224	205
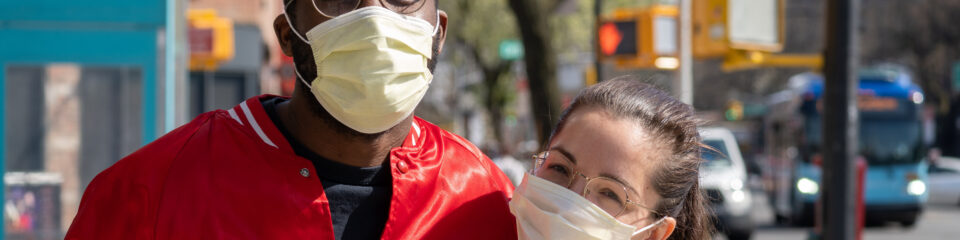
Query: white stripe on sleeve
253	123
233	114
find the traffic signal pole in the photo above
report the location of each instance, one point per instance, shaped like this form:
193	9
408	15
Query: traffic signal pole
597	64
840	126
685	76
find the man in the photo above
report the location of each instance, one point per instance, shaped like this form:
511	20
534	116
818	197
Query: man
343	158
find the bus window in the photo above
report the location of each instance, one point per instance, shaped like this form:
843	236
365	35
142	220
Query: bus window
890	141
882	141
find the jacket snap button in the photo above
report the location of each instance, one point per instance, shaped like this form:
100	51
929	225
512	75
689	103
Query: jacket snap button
304	172
402	167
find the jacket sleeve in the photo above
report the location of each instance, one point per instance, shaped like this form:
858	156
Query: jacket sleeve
122	201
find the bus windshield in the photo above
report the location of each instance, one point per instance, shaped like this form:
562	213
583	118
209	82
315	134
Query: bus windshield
882	141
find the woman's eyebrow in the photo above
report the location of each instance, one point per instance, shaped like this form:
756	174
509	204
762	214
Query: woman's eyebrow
565	153
619	180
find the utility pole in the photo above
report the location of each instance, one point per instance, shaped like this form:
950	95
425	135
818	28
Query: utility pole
597	65
840	127
686	56
174	66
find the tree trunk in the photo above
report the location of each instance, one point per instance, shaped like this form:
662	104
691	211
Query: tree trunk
494	103
494	99
541	64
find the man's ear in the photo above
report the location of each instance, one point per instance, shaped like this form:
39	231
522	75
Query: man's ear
664	229
442	31
282	29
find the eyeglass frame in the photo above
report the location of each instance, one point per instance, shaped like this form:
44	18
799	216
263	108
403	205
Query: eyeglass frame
541	158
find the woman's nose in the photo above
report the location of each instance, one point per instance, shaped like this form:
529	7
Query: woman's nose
368	3
577	185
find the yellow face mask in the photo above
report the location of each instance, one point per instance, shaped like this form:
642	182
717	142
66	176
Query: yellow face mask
371	66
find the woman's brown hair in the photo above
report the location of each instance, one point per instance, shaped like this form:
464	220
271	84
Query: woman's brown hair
672	123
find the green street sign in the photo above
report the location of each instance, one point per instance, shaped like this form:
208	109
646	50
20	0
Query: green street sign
511	49
956	76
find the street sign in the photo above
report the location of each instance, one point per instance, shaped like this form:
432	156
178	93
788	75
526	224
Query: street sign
956	76
511	49
756	25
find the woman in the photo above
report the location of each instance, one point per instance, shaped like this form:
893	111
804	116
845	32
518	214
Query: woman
622	163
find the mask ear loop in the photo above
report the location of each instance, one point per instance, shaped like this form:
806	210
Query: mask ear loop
300	77
649	226
287	16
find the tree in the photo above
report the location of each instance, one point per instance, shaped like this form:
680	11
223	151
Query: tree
541	63
479	27
561	30
920	34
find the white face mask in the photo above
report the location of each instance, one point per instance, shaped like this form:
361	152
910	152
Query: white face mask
371	66
545	210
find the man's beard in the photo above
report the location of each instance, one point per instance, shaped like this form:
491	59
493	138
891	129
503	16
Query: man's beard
303	59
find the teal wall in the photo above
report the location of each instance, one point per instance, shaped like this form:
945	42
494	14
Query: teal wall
87	33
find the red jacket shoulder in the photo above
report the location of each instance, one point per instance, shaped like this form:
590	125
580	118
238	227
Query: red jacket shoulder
466	151
121	201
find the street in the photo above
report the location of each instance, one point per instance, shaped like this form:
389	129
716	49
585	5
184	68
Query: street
939	220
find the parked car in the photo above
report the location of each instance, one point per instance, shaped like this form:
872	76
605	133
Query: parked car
724	177
945	181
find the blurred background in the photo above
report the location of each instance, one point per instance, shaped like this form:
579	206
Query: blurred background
85	83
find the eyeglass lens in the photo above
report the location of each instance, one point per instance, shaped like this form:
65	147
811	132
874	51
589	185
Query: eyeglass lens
605	193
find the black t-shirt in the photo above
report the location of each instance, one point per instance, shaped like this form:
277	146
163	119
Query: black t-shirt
359	197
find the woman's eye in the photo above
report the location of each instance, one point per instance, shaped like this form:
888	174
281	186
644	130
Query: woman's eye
607	193
559	169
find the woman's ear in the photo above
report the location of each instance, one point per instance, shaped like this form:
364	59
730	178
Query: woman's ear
663	230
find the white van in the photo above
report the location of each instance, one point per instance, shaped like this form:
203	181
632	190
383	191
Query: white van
724	179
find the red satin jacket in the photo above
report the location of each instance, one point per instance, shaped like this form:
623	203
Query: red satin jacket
230	174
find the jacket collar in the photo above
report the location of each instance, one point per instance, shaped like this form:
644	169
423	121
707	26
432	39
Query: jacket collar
253	118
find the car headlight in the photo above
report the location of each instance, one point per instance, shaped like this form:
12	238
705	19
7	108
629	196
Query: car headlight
738	196
807	186
916	187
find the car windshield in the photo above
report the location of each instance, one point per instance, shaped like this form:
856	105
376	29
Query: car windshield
882	141
718	157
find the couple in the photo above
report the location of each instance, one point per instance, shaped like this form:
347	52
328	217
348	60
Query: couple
344	158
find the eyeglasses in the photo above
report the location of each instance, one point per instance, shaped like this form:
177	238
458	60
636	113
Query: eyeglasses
334	8
607	193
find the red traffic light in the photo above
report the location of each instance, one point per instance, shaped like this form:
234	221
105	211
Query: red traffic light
617	38
610	37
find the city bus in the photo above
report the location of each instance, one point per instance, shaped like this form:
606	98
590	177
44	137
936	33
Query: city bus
890	140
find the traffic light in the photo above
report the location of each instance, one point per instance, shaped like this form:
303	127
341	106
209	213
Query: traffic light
211	39
734	111
709	28
639	38
618	38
